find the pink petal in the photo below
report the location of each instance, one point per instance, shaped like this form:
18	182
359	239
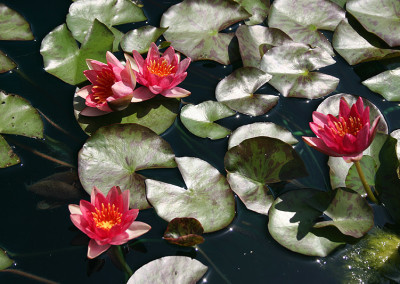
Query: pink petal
120	90
91	75
113	60
142	94
319	145
86	208
85	91
176	93
350	144
169	54
139	62
113	195
362	138
128	76
153	53
91	111
373	129
132	61
94	249
125	199
137	229
177	80
155	89
344	108
319	118
74	209
359	105
183	66
95	65
365	116
78	221
315	127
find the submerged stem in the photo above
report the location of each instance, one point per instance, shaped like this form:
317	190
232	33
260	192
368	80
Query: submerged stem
117	251
213	265
367	188
29	275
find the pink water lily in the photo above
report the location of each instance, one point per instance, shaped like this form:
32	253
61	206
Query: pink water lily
107	220
160	74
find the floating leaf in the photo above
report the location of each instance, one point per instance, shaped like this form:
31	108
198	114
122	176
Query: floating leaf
112	155
384	24
7	157
257	8
6	63
291	66
141	38
292	219
184	232
194	27
369	167
82	14
169	269
237	91
198	119
257	129
208	197
13	26
302	19
257	162
386	84
62	56
5	261
341	3
158	114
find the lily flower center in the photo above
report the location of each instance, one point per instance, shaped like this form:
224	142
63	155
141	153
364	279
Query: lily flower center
350	126
107	217
102	89
160	67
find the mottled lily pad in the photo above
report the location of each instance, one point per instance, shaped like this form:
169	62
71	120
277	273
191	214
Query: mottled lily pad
384	24
386	84
112	155
292	219
5	261
257	162
369	168
208	197
184	232
64	59
291	66
82	14
199	119
6	63
141	38
13	26
158	114
257	8
302	20
237	91
169	269
194	27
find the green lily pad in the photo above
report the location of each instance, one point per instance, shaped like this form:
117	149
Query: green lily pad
257	8
354	48
82	14
208	197
5	261
7	157
194	27
184	232
292	219
13	26
257	162
199	119
158	114
237	91
291	66
6	63
64	59
267	129
170	269
302	20
251	38
384	24
369	167
141	38
112	155
379	84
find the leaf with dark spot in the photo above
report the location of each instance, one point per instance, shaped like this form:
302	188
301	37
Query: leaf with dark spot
184	232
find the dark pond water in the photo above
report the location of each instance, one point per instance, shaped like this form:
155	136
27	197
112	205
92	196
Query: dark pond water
45	243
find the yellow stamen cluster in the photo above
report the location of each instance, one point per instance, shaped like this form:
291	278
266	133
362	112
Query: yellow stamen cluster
102	89
160	69
107	217
351	126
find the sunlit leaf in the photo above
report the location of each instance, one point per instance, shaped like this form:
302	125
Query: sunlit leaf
208	197
199	119
6	63
13	26
194	27
112	155
169	269
291	66
184	232
7	156
369	168
237	91
257	8
141	38
5	261
386	84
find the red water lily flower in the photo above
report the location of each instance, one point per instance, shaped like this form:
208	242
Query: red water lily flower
107	220
160	74
347	135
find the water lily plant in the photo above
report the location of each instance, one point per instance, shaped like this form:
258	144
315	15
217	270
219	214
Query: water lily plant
107	220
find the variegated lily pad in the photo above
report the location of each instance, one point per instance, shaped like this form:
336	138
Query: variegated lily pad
194	27
302	20
141	38
257	162
184	232
112	155
6	63
237	91
257	8
386	84
292	219
291	66
199	119
13	26
384	24
208	197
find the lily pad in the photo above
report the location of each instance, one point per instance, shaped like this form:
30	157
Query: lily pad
5	261
341	3
267	129
292	219
380	84
194	27
64	59
257	8
169	269
257	162
237	91
302	20
6	63
141	38
82	14
158	114
291	66
369	168
184	232
208	197
13	26
7	156
112	155
199	119
384	24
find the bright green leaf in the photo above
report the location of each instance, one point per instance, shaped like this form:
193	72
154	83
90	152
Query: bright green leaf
257	8
13	26
5	261
6	63
141	38
386	84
